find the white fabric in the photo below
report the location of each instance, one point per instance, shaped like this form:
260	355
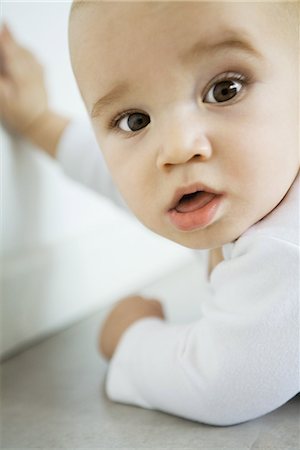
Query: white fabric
240	360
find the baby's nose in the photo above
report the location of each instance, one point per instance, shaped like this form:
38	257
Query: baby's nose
182	140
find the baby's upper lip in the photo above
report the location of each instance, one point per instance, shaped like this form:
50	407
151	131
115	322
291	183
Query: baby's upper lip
184	190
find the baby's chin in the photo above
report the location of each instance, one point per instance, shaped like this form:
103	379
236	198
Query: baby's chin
198	239
193	241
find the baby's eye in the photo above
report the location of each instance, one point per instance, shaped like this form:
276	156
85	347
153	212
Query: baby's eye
133	122
224	90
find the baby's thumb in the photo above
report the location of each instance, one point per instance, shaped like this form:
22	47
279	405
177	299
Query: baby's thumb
5	31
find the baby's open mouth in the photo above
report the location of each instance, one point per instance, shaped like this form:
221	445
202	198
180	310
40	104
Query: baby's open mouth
194	207
193	201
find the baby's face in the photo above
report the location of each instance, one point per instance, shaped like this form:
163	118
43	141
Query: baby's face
191	96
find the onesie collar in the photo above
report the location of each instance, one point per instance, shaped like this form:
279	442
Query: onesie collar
227	250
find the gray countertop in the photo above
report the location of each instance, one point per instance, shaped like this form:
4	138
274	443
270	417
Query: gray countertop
53	397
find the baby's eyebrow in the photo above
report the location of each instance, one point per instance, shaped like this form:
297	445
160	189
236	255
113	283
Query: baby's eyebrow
113	95
233	41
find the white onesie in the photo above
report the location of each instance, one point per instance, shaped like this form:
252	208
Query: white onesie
240	360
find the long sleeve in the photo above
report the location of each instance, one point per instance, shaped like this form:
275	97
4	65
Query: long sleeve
80	158
238	362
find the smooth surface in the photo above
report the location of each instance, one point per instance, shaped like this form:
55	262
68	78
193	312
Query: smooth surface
53	396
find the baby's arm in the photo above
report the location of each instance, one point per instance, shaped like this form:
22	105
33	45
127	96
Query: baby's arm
240	360
133	308
24	104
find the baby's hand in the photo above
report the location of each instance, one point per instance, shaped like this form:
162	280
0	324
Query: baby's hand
124	314
23	96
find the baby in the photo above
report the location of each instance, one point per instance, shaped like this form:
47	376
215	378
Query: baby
195	109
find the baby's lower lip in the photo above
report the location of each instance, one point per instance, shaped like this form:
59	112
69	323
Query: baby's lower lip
199	218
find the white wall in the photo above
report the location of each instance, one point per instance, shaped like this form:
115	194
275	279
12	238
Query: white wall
65	251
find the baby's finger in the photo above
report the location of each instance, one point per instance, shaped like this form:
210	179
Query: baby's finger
5	92
6	32
6	36
9	43
10	55
7	39
17	62
2	63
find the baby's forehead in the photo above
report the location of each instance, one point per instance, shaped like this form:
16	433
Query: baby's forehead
279	8
115	23
114	14
129	38
78	4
